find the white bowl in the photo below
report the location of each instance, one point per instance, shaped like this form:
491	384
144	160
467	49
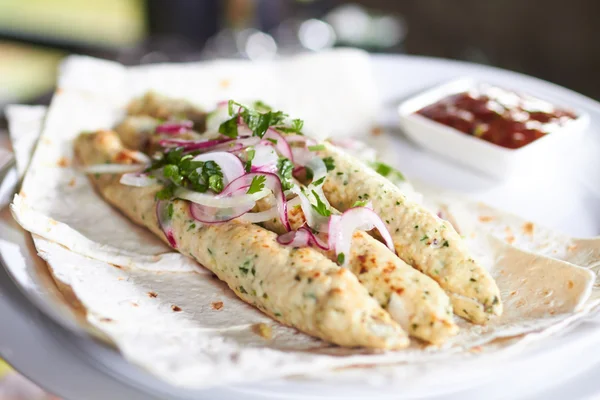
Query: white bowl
477	153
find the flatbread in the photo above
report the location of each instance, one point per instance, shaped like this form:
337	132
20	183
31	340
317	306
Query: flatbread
169	316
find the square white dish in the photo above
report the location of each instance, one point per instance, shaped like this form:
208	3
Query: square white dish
478	154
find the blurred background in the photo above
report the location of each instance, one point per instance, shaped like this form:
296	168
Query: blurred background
552	39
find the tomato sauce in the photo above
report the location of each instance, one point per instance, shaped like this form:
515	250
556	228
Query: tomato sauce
499	116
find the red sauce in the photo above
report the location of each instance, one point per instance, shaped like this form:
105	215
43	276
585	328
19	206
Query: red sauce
498	116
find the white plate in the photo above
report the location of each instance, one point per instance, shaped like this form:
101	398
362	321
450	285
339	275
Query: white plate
75	366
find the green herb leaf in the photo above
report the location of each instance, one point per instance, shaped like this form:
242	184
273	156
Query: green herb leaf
165	193
341	258
360	203
257	184
285	169
262	106
387	171
318	182
258	119
172	172
229	128
329	163
295	127
321	207
317	147
170	210
250	152
212	175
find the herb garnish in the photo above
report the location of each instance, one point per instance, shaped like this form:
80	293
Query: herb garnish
341	258
360	203
250	152
180	170
262	106
387	170
318	182
285	169
317	147
257	184
329	164
321	207
257	121
295	127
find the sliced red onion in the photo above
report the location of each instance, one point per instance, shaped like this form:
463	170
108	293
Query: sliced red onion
302	156
165	221
303	237
272	182
347	143
281	145
262	216
240	199
244	131
236	145
175	128
299	170
137	180
112	168
342	229
307	141
217	117
140	157
265	159
231	166
233	201
214	215
189	145
318	168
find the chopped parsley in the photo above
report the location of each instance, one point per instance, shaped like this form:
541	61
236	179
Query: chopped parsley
166	193
229	128
341	258
317	147
424	238
320	207
285	169
262	106
387	171
295	127
257	121
329	164
170	210
257	184
250	153
360	203
180	170
245	267
319	182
